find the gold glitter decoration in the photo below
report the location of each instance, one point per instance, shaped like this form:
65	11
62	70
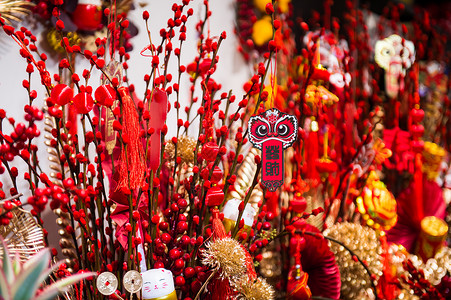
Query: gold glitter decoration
226	256
256	290
381	152
363	241
185	149
433	155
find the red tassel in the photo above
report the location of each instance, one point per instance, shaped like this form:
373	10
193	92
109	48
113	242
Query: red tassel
217	226
132	169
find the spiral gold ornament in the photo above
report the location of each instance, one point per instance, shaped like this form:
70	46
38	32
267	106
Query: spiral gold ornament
363	241
245	175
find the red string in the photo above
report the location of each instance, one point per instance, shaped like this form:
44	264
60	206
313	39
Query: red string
81	290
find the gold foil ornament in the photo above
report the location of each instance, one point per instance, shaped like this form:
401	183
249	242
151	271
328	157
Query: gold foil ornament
432	236
433	155
113	70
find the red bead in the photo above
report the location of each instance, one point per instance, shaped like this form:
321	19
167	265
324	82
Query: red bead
189	272
174	207
166	238
179	263
179	281
185	240
87	16
163	226
182	226
174	254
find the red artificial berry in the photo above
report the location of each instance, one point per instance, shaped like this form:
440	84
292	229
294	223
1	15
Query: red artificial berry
179	281
189	272
166	238
179	263
182	226
163	226
174	254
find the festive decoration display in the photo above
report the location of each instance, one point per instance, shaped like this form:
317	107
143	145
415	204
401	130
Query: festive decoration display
326	177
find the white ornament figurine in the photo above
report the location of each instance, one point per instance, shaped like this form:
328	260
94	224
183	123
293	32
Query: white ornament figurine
158	284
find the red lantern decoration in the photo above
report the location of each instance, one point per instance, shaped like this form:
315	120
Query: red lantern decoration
83	102
105	95
88	15
417	115
216	175
215	196
61	94
210	151
417	130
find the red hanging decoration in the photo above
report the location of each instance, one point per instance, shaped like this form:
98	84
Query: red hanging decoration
159	109
272	132
61	94
132	169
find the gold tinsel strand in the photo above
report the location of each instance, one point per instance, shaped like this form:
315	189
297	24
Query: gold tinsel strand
254	290
363	241
227	256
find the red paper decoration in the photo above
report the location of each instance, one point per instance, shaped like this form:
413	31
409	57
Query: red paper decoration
83	102
215	196
61	94
105	95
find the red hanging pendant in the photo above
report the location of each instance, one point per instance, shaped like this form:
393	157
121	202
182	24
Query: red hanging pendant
272	132
159	109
